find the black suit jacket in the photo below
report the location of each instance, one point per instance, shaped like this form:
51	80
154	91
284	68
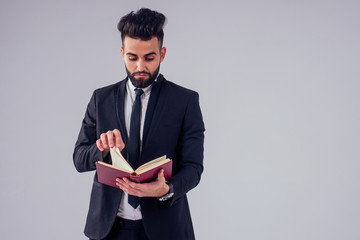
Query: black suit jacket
174	127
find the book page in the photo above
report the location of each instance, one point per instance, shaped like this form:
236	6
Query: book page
152	164
119	161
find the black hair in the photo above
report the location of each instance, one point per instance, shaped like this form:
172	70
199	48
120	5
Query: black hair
144	24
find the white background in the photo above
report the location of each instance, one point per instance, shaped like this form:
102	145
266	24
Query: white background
279	90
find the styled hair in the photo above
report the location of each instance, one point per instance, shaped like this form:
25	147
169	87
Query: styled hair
143	24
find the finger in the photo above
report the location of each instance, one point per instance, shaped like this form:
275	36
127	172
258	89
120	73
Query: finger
133	188
118	180
129	183
121	183
104	141
123	188
161	174
99	145
110	138
118	140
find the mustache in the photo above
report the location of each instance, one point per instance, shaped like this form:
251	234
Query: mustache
143	72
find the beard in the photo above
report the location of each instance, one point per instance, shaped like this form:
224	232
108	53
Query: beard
142	82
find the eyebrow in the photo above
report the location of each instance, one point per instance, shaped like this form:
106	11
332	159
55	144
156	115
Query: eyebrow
146	55
151	53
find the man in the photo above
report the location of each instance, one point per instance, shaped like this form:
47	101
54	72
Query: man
145	116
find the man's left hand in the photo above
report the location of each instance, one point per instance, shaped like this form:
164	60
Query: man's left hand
156	188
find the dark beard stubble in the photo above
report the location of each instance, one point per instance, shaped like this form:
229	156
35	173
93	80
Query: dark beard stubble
141	83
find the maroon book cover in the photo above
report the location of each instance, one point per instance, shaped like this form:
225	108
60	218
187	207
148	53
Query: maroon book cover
107	173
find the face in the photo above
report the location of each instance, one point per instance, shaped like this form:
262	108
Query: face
142	60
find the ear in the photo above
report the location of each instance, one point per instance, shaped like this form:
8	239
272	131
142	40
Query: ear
122	51
162	53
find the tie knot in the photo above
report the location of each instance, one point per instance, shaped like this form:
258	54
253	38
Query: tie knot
138	91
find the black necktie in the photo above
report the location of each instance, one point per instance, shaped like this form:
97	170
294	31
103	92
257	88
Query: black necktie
134	140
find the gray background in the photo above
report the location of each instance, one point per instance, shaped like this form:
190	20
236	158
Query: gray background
279	89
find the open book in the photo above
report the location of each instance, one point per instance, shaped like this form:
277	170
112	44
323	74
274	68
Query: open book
120	168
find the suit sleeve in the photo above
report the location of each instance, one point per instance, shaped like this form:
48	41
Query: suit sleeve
86	153
191	150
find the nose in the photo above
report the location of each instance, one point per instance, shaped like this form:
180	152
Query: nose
141	65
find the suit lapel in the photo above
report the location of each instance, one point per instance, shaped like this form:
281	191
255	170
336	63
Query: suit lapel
120	102
153	108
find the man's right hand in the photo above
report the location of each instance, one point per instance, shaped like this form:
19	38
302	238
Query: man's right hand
108	140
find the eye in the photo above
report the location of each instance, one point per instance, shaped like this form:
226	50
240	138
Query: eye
132	58
149	59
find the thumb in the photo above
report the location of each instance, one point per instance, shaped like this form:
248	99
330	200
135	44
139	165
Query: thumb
161	174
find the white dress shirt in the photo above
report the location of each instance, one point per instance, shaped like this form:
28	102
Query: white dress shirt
126	211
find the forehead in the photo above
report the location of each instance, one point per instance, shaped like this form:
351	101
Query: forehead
140	47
